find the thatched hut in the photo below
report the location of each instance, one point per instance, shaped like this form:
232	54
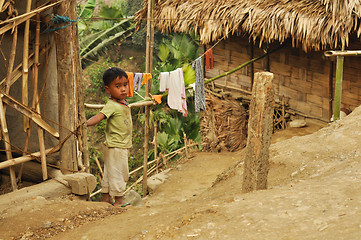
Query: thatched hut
41	105
305	28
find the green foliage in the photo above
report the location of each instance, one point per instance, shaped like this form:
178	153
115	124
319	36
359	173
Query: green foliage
95	73
189	75
97	36
132	6
86	13
176	52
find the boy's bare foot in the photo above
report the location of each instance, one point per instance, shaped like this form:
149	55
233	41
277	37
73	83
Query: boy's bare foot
119	202
106	198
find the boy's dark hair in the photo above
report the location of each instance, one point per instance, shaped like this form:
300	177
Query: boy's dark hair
112	73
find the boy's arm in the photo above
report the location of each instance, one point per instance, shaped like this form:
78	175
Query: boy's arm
95	119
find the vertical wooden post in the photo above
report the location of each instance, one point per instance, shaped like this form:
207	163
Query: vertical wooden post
66	69
260	125
338	87
5	132
82	142
148	66
25	98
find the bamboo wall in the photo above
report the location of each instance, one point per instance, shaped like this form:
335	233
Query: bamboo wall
302	77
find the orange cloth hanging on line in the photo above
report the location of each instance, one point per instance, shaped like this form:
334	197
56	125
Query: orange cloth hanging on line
209	59
146	77
158	98
131	82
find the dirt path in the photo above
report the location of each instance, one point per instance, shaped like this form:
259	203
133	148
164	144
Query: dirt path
314	193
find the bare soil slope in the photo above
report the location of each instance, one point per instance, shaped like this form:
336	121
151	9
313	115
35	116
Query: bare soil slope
314	193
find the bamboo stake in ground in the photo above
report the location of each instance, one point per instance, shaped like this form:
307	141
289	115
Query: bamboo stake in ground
260	126
5	132
98	164
156	143
36	103
148	66
185	145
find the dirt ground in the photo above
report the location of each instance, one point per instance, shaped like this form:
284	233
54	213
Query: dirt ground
314	192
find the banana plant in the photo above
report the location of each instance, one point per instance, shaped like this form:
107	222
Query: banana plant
100	35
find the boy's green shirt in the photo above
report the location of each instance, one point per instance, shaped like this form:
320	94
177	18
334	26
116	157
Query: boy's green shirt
118	129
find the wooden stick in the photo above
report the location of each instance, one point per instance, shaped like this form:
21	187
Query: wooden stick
25	97
5	133
11	60
211	92
98	164
36	103
29	15
95	193
342	53
140	179
29	113
185	144
27	140
155	143
17	73
132	105
12	162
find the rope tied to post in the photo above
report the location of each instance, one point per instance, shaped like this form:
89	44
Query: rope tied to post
56	20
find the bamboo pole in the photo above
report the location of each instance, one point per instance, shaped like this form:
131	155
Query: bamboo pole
5	133
338	87
15	21
149	59
26	158
35	117
156	142
142	103
26	16
25	97
36	104
243	65
98	164
185	145
11	60
17	72
12	162
342	53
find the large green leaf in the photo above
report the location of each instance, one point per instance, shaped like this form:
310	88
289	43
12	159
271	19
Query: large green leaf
163	52
88	10
102	46
111	12
102	40
189	75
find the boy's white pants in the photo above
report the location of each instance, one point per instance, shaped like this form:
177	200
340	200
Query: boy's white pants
116	171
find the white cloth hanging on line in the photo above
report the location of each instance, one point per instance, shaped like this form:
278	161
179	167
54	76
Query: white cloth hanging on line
176	91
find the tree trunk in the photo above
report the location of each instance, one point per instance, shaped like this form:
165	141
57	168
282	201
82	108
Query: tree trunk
260	127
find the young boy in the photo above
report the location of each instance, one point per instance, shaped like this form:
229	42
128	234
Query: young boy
118	135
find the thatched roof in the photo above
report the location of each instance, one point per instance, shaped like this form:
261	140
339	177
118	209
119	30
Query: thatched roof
313	24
